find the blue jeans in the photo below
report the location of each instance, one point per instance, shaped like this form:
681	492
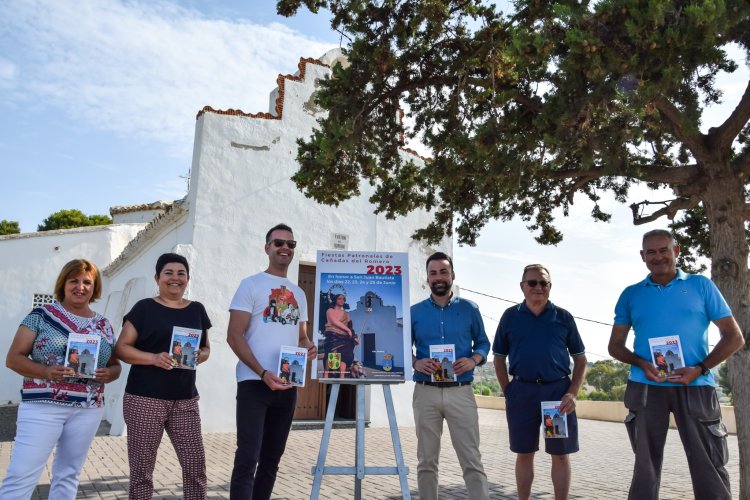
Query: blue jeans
264	418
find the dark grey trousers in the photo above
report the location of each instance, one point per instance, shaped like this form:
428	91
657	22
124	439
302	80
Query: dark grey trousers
698	417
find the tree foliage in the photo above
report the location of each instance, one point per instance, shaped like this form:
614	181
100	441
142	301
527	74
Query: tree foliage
725	382
67	219
606	374
522	111
9	227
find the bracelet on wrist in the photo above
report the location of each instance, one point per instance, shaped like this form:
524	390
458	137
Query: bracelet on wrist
262	374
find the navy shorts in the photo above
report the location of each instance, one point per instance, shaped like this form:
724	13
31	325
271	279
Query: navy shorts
524	413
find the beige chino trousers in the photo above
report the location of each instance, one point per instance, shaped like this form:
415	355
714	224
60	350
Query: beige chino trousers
457	406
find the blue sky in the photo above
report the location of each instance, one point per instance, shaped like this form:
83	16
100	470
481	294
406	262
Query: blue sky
98	98
97	109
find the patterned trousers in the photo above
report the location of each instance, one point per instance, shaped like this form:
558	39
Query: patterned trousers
147	419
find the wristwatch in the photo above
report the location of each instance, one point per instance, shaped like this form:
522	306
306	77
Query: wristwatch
703	367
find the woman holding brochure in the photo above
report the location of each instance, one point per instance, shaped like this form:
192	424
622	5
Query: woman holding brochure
57	409
160	393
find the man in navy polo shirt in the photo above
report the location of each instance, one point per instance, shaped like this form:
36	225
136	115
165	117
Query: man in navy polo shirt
670	302
445	319
539	339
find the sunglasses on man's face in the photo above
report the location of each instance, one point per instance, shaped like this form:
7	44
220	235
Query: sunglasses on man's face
278	243
534	283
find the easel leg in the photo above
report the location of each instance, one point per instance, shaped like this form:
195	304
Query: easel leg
359	470
315	493
403	471
360	443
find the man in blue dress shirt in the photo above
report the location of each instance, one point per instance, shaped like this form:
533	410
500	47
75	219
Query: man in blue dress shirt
670	302
539	338
445	319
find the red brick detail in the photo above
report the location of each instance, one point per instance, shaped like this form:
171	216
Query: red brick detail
412	152
280	80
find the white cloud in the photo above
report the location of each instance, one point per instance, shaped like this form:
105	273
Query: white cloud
141	69
8	71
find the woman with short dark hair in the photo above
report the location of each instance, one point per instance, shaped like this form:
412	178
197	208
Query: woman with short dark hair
160	394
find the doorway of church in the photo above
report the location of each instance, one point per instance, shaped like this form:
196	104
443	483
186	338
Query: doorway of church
312	399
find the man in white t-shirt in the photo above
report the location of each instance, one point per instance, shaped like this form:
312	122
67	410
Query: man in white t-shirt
267	312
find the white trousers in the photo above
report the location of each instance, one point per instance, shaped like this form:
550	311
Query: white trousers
40	427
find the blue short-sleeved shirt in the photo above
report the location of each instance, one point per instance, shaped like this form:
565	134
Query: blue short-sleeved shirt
538	346
458	323
683	307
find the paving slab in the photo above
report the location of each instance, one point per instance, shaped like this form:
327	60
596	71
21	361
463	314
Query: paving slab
602	469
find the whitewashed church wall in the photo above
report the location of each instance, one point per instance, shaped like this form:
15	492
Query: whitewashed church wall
241	170
144	216
134	282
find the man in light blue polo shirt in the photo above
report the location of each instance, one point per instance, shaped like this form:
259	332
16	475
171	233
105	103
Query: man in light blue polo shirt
445	319
670	302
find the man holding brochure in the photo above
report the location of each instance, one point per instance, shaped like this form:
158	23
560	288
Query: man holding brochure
449	330
539	338
670	312
265	404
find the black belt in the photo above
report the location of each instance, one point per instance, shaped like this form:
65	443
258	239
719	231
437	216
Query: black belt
443	384
539	380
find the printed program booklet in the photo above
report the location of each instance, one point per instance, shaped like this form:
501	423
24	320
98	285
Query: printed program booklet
292	365
666	353
82	354
554	423
445	354
185	342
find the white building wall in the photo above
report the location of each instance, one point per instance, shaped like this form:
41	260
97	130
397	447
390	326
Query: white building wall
133	281
240	188
144	216
30	263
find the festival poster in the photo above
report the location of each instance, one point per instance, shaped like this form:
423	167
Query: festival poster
666	354
361	321
82	354
445	355
554	423
183	346
292	365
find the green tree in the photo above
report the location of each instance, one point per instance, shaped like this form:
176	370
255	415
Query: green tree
99	220
606	374
725	381
9	227
599	396
67	219
618	392
523	111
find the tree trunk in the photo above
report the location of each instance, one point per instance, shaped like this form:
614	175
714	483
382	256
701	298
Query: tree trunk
724	203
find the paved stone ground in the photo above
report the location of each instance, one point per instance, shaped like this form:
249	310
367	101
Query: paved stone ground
602	469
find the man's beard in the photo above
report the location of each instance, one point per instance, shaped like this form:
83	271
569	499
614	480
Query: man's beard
440	288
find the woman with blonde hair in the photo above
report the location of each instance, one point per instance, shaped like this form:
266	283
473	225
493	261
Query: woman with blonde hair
57	409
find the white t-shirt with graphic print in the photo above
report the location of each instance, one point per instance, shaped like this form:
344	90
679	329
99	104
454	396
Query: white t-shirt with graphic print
277	307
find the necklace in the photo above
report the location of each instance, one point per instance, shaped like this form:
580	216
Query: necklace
177	305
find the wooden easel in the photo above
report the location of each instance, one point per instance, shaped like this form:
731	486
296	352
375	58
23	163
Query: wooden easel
359	471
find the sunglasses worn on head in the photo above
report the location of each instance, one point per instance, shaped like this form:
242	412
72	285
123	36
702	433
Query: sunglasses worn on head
278	243
534	283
